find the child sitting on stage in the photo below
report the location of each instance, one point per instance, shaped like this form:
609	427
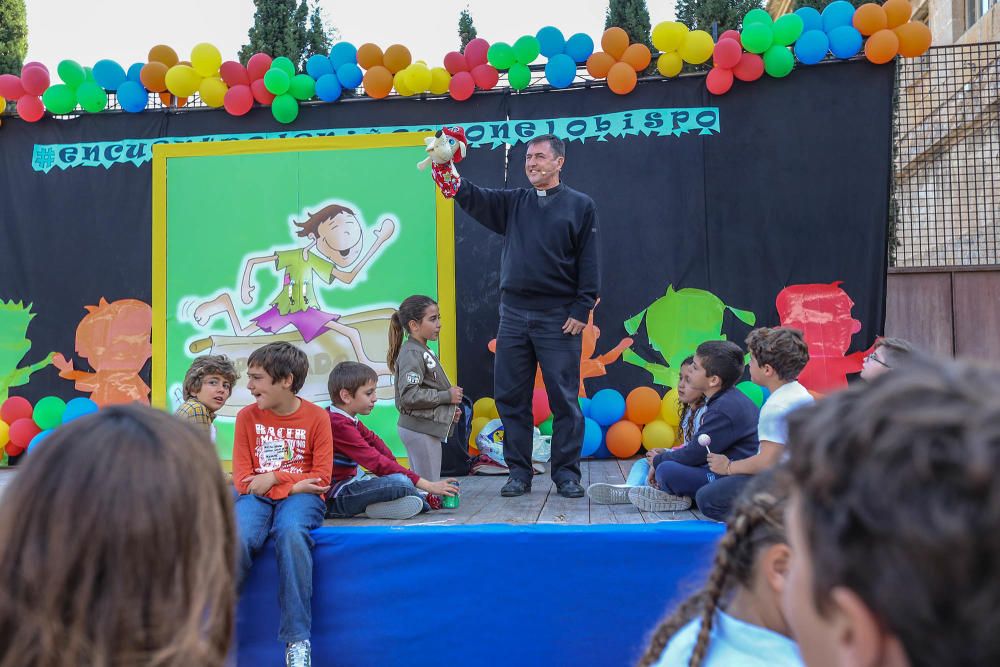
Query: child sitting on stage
208	384
887	354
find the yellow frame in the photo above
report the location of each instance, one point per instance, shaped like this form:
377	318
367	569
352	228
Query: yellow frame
445	216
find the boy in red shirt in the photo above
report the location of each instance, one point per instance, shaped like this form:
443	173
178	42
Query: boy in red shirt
282	459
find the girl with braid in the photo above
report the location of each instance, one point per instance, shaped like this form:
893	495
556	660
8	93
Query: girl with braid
736	619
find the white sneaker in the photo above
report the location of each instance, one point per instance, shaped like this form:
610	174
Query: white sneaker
400	508
609	494
298	654
648	499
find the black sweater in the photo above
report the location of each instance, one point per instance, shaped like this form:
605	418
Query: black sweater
549	256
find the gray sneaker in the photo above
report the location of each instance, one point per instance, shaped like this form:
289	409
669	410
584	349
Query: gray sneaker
648	499
609	494
400	508
298	654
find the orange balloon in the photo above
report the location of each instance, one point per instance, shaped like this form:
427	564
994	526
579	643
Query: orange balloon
637	56
369	55
599	64
621	79
869	18
179	101
153	76
397	57
623	439
897	11
914	39
642	405
377	82
161	53
882	47
614	42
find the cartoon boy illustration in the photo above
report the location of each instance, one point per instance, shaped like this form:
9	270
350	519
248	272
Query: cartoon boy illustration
336	235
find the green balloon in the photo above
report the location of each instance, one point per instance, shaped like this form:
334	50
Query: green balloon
787	29
757	37
757	16
285	108
519	76
59	99
501	55
48	412
88	74
285	65
526	49
277	81
303	87
778	61
753	392
545	428
92	97
72	73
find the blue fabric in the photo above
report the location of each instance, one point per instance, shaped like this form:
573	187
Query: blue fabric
733	642
354	498
682	480
482	595
639	474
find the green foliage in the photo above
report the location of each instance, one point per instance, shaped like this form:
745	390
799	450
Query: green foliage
702	14
13	36
286	28
632	16
466	31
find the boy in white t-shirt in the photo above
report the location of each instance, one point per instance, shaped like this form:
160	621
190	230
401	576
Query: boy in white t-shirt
777	356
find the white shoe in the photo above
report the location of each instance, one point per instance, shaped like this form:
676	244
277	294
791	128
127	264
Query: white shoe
298	654
400	508
609	494
648	499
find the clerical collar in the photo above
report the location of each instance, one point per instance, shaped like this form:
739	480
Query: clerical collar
551	191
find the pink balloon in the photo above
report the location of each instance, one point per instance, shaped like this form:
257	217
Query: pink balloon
260	93
35	63
727	53
749	68
462	86
34	80
719	81
258	65
30	108
238	100
234	74
455	62
731	34
485	76
10	87
475	52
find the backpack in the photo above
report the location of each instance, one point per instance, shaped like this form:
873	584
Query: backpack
455	459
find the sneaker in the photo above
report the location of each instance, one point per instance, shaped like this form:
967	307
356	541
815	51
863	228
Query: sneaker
515	487
609	494
484	465
570	489
648	499
400	508
298	654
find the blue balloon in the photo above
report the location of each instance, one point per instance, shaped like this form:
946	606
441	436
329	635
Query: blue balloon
579	47
328	88
350	75
836	14
551	41
845	41
37	439
811	19
607	406
585	406
318	65
560	70
134	72
108	74
592	437
811	47
133	98
80	405
767	394
343	53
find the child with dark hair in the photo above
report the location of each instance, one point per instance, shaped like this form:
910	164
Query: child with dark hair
893	520
729	426
208	384
393	493
885	355
737	618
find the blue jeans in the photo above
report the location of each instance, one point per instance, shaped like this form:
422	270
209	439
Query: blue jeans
682	480
354	498
715	500
639	474
289	521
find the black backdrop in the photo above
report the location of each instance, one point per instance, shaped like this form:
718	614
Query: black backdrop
793	190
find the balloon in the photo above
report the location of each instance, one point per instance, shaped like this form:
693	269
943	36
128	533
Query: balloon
10	86
277	81
206	59
318	65
167	99
285	65
897	12
400	84
812	47
59	99
560	70
579	47
37	439
670	408
461	87
258	65
419	77
501	55
719	80
669	64
540	410
599	64
836	14
526	49
752	391
213	91
182	80
454	62
154	77
284	108
787	29
302	87
14	408
234	74
30	108
238	100
133	72
486	408
550	41
914	39
35	80
730	34
22	431
669	36
350	75
71	73
637	56
607	406
328	88
621	79
369	56
749	68
624	439
642	405
4	434
397	57
845	41
88	74
545	428
519	76
584	405
92	97
260	92
882	47
485	76
869	18
757	16
727	53
478	424
132	97
658	434
811	18
78	407
697	47
440	79
778	61
475	52
592	436
48	412
3	105
614	41
161	53
757	37
343	53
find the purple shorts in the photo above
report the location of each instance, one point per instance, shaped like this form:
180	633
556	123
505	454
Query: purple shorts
310	322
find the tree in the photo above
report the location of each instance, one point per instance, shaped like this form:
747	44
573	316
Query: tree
466	31
300	31
13	36
702	14
632	16
284	28
318	37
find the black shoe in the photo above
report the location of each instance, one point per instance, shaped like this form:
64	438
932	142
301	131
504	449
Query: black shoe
514	487
570	489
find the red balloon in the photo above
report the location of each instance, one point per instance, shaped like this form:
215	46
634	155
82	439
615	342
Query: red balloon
540	409
22	431
14	450
475	52
749	68
260	93
455	62
462	86
34	80
14	408
30	108
719	81
257	66
727	53
485	76
35	63
234	74
731	34
10	87
238	100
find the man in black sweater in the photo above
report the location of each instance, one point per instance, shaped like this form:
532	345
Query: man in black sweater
549	279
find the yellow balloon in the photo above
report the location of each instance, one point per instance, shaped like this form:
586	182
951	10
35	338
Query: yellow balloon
399	83
485	407
3	104
213	91
418	77
697	47
658	433
670	408
182	80
4	428
440	80
670	64
669	35
206	59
